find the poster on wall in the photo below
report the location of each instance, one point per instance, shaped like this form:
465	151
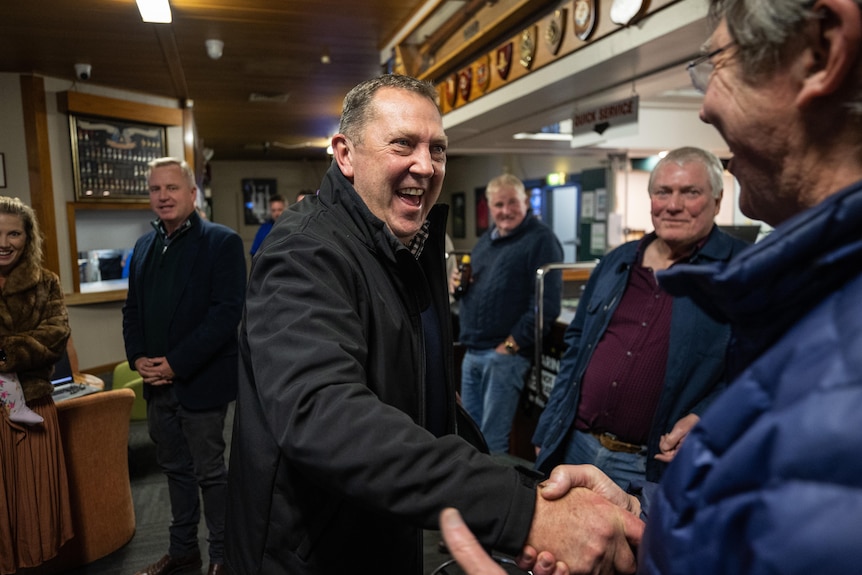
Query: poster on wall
597	239
588	206
459	218
110	158
601	205
255	199
481	212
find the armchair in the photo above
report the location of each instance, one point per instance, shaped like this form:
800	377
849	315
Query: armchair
95	433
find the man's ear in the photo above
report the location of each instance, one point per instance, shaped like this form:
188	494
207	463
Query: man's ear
342	151
834	37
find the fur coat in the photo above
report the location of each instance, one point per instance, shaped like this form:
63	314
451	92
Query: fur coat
34	327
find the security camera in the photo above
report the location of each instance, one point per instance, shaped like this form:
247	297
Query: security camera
83	71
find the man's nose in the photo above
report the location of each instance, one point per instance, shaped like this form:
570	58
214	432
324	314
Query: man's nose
423	165
675	201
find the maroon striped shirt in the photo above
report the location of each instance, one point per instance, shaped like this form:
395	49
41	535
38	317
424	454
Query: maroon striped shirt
624	380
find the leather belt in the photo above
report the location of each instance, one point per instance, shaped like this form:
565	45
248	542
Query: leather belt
611	443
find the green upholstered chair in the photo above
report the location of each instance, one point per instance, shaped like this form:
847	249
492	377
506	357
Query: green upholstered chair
126	377
123	373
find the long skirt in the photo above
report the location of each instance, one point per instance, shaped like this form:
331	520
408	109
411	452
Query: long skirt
35	515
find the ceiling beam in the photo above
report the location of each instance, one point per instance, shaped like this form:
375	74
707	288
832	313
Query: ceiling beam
168	43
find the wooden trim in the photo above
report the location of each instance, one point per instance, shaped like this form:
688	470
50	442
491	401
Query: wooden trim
75	299
576	275
73	246
112	206
168	43
450	59
453	49
448	29
78	103
39	166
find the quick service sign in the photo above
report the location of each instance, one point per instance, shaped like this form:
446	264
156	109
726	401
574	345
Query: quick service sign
601	118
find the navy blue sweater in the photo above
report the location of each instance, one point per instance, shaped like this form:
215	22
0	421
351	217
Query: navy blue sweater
501	298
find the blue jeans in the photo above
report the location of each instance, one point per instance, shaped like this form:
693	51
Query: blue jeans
491	385
619	466
190	450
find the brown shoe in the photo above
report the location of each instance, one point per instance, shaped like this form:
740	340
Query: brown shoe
168	565
217	569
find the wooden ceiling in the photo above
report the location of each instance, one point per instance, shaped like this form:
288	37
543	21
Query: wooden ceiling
268	97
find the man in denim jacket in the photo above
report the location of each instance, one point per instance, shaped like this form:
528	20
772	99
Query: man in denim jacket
641	366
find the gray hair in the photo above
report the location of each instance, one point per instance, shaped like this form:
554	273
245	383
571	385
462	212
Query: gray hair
688	155
358	111
15	207
164	162
505	181
762	29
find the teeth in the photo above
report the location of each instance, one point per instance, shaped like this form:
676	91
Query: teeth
412	192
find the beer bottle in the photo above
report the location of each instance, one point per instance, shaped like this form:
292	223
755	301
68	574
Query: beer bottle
466	271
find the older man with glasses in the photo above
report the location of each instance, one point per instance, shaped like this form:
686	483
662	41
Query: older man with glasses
770	480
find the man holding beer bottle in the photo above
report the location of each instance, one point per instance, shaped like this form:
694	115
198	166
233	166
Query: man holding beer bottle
497	308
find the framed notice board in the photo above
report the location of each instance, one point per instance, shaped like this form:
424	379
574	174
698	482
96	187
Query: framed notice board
110	157
255	196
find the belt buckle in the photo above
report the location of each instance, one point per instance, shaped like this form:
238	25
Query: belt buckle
610	442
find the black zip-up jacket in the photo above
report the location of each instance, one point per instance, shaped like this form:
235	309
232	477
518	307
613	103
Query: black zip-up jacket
331	468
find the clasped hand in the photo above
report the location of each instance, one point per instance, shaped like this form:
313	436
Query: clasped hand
155	370
583	523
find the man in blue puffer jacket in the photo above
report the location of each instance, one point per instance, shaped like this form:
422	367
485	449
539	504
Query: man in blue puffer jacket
770	480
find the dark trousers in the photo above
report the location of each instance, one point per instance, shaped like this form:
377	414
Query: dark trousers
190	450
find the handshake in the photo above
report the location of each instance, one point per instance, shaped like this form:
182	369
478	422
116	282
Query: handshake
583	523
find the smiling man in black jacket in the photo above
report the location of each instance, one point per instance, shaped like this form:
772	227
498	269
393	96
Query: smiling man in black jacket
344	450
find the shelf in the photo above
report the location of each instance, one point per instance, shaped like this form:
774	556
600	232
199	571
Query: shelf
76	299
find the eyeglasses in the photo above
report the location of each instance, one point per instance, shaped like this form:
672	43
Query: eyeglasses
700	69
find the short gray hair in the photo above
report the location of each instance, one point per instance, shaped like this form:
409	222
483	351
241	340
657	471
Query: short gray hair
357	109
505	181
688	155
761	29
164	162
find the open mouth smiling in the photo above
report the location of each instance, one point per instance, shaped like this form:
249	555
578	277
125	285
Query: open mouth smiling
412	196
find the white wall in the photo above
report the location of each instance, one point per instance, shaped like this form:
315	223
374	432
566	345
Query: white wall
226	187
466	173
633	202
12	138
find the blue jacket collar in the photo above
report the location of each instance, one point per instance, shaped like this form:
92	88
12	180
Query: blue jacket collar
770	285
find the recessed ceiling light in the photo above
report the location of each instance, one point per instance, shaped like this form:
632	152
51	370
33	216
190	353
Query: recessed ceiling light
155	11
